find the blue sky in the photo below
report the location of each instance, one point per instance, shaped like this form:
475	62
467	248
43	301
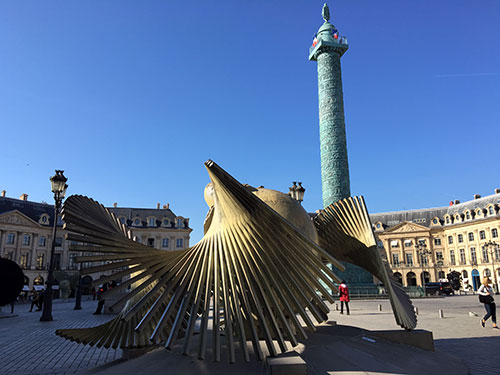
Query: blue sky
130	98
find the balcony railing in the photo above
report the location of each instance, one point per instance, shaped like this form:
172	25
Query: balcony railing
341	40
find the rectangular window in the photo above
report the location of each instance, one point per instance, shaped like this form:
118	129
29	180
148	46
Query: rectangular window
59	241
26	240
394	243
164	242
180	242
437	241
42	241
424	260
439	255
57	261
486	258
462	256
407	243
11	237
152	222
450	239
72	265
494	233
395	259
9	255
471	236
25	261
473	256
40	261
151	242
482	235
460	238
409	259
452	257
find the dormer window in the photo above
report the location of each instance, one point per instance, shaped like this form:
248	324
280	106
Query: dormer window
165	223
123	220
44	219
180	224
137	222
152	222
491	210
467	215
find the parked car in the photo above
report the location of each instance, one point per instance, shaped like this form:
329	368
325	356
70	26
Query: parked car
439	288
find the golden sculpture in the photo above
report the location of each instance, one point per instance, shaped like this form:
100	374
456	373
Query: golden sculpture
257	274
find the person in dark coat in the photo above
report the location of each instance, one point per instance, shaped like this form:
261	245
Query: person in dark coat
344	297
100	303
34	299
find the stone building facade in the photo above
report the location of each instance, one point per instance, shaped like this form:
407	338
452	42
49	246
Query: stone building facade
26	235
425	245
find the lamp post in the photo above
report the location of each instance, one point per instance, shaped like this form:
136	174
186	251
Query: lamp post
422	252
58	182
297	192
492	250
78	296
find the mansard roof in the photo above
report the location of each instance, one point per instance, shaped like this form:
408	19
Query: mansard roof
35	210
424	216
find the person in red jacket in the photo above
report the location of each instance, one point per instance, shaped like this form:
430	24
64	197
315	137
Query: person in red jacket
344	297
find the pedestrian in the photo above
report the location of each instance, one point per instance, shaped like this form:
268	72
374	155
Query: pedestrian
100	303
12	306
34	299
486	297
344	297
41	297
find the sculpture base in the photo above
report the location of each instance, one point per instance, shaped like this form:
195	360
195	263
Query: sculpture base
334	349
418	338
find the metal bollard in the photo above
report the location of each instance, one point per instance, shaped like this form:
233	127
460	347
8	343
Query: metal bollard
379	307
441	314
416	310
336	307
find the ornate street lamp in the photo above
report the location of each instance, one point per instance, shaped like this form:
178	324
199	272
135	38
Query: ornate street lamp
59	186
297	192
492	248
422	254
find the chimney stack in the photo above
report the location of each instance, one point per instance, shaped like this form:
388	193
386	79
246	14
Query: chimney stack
24	197
477	196
115	204
158	205
3	193
497	191
456	201
166	206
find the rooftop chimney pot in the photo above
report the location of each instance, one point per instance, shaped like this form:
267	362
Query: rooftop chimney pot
477	196
158	205
24	197
115	204
497	191
3	193
456	201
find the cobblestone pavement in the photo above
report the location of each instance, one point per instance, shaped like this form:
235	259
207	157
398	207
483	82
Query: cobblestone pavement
458	333
31	347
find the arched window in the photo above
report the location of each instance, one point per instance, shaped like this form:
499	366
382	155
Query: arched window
398	277
494	233
465	274
137	222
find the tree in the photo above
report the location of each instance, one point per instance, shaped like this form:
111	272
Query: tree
455	279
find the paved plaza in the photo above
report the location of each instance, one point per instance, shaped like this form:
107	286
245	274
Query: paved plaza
31	347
